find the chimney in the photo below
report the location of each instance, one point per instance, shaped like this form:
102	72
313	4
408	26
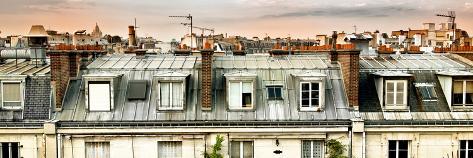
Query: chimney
206	70
349	64
131	36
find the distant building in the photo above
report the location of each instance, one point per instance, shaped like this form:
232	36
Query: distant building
96	33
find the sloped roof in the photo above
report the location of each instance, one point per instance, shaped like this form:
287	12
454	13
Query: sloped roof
37	31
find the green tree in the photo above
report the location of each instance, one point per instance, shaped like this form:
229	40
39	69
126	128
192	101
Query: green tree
215	148
336	149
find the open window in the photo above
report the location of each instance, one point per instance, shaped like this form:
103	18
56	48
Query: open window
99	91
240	90
171	89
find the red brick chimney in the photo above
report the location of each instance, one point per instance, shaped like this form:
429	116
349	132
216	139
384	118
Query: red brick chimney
350	65
206	91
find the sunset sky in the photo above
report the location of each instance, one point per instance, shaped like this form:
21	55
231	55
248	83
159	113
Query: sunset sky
276	18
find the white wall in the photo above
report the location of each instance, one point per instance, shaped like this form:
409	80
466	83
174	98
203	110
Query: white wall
32	144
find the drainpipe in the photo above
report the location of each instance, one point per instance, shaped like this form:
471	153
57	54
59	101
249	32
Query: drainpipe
59	145
350	135
364	145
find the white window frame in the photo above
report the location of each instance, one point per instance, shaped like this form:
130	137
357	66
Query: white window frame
463	92
310	108
110	95
241	95
312	148
182	99
466	148
274	87
10	151
397	148
22	98
242	150
395	105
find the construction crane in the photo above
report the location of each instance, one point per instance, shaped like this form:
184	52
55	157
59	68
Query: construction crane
188	17
451	18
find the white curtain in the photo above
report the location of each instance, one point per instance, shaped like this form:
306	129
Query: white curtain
97	149
234	95
99	97
177	99
164	94
169	149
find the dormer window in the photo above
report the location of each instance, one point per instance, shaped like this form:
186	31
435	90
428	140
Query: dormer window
171	88
99	95
99	91
311	90
240	90
396	94
462	93
11	95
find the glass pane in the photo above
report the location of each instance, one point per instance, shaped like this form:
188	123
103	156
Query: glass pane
11	92
247	87
392	154
305	86
177	99
390	98
247	149
315	86
470	153
403	145
164	92
278	92
458	87
389	86
315	102
403	154
234	96
5	150
246	100
392	145
470	145
462	144
400	99
306	149
14	150
458	98
469	87
235	149
170	149
462	154
318	149
433	94
271	93
400	86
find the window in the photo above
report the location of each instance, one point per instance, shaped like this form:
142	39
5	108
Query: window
169	149
99	96
274	92
241	95
310	95
97	149
398	149
312	149
10	150
396	94
171	96
427	91
241	149
466	148
463	93
11	95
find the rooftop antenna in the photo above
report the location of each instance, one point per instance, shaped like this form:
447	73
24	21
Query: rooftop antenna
451	18
136	27
187	17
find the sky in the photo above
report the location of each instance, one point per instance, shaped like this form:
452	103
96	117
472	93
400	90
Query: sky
250	18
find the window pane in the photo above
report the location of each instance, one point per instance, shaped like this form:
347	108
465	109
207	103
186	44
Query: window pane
5	150
14	150
392	145
247	87
458	98
11	92
458	87
400	98
169	149
306	149
469	87
400	86
247	149
392	154
177	94
462	154
463	144
403	145
318	149
164	92
235	149
271	93
97	149
470	145
234	96
389	86
315	86
403	154
99	96
390	98
246	100
305	87
278	92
